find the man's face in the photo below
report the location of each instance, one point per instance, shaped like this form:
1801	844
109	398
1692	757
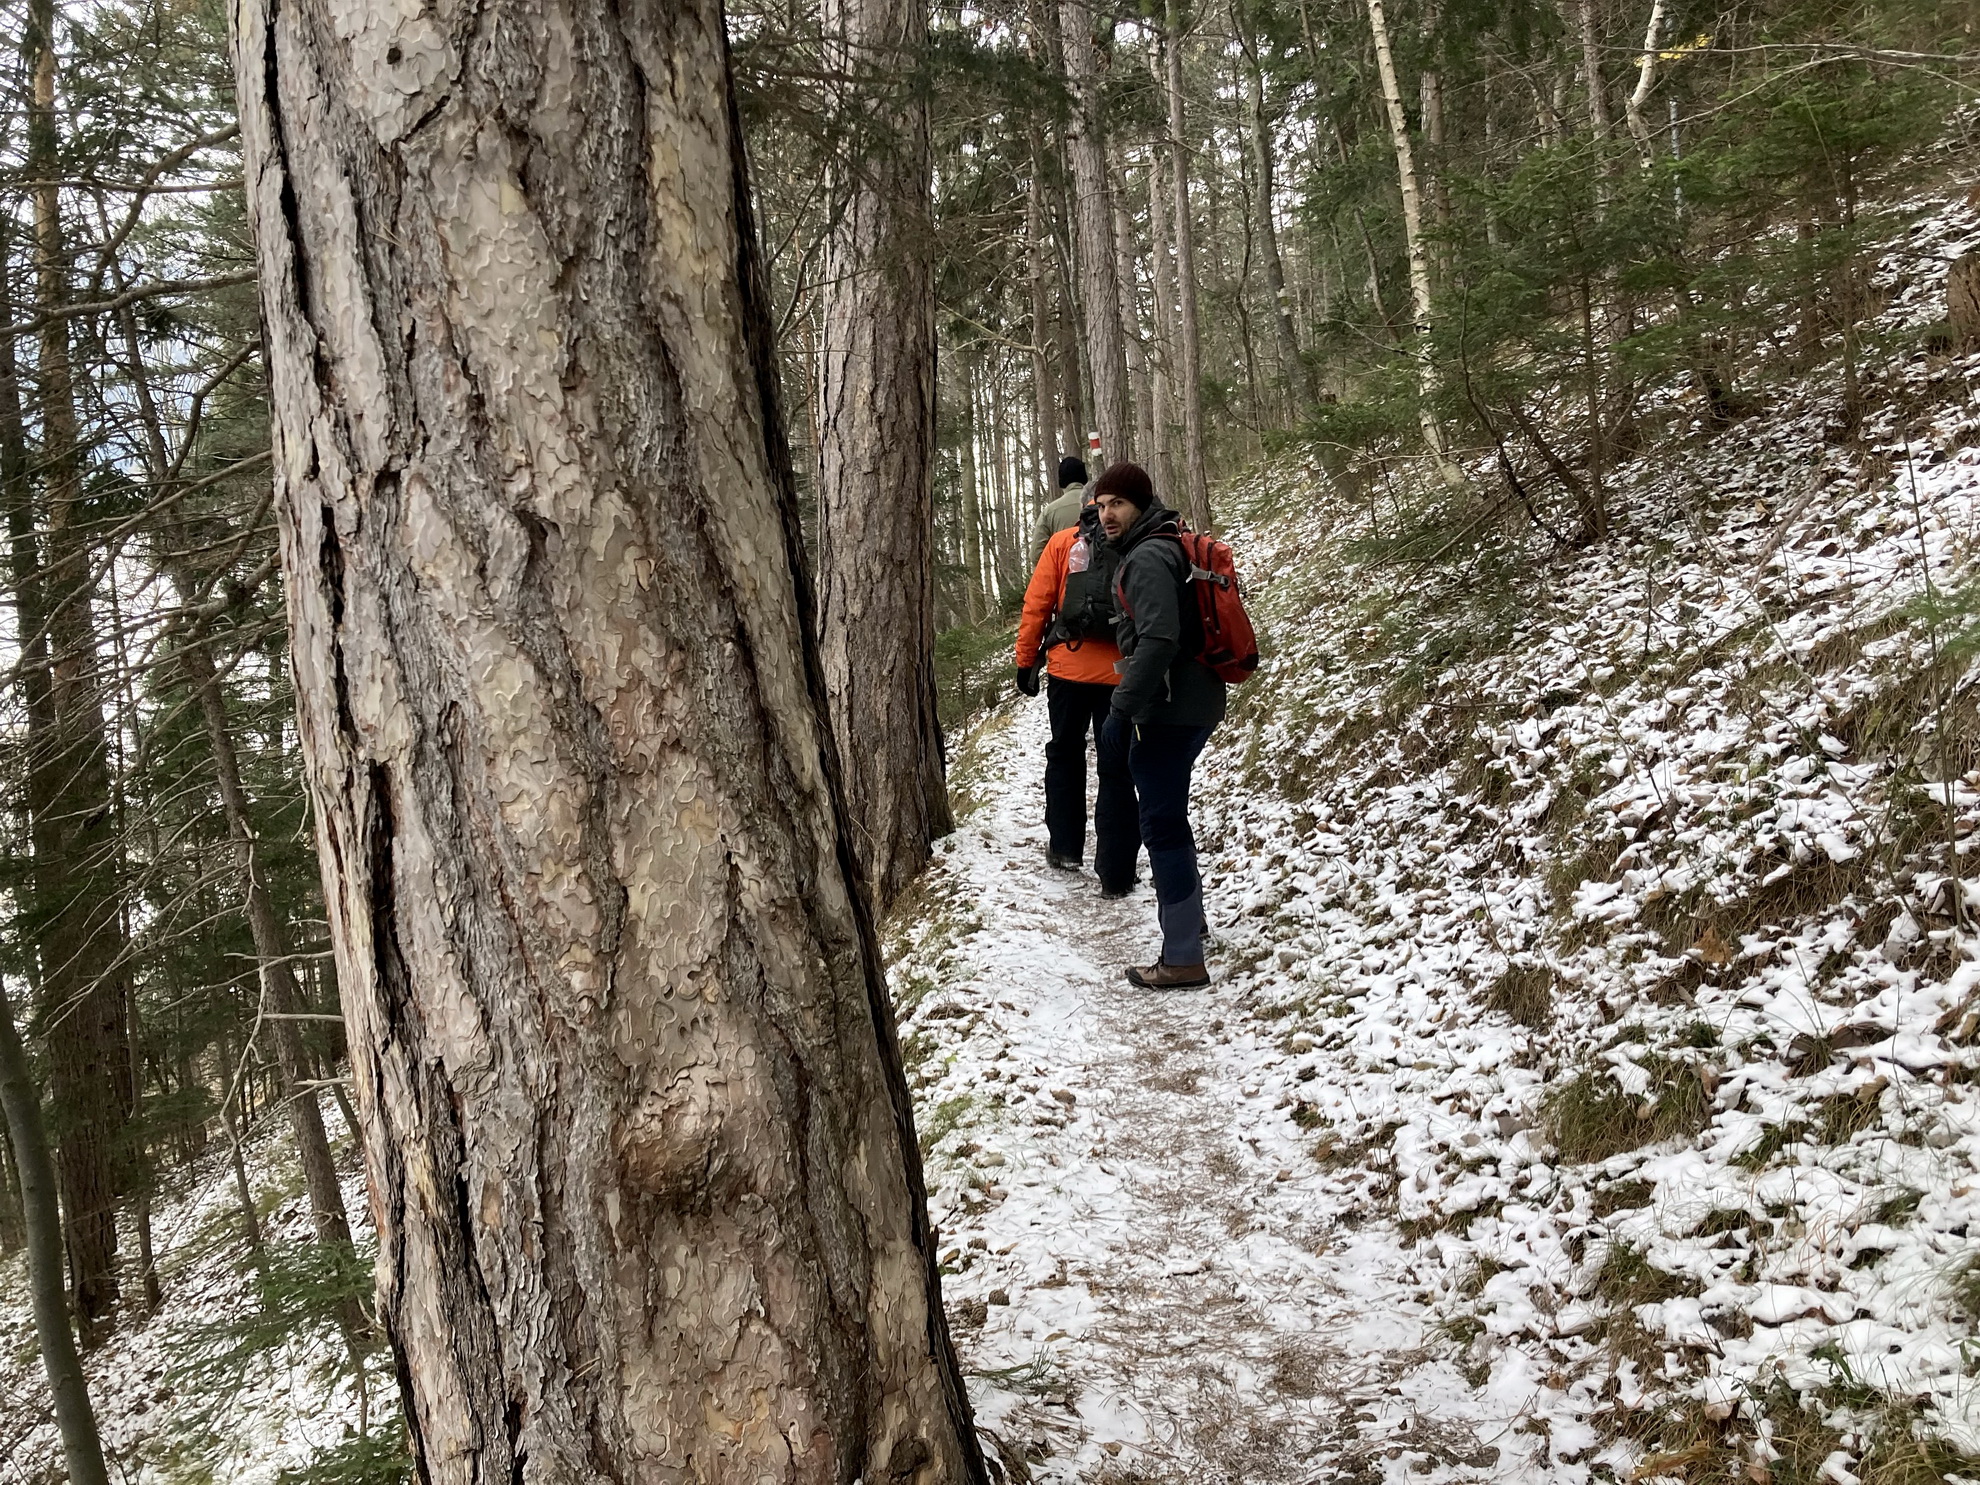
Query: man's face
1117	513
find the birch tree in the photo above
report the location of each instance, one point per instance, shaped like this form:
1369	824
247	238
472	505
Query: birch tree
1410	186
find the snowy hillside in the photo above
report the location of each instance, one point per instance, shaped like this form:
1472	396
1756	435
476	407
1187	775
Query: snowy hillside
1589	1090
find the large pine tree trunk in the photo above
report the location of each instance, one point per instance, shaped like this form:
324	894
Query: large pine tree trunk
642	1164
1189	375
876	451
78	921
1093	234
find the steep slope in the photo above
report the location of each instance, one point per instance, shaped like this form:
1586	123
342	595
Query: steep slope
1598	945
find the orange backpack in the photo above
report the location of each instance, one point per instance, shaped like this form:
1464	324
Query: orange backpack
1225	641
1229	645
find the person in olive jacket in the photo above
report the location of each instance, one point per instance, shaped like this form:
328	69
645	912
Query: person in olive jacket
1164	709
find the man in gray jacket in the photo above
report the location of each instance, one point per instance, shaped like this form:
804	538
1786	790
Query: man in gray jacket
1164	709
1058	514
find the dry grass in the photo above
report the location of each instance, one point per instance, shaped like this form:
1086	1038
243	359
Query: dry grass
1525	993
1591	1118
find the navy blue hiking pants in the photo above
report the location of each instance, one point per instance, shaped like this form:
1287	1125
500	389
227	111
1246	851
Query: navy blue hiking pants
1160	759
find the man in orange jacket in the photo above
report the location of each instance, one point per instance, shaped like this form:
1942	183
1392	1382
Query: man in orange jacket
1068	622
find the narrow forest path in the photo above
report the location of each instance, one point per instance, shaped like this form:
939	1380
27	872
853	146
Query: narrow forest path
1150	1275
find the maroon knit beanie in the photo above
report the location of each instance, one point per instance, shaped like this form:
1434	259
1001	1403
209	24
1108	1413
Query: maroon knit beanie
1127	481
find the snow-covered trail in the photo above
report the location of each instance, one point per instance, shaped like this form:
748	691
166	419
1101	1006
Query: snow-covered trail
1149	1272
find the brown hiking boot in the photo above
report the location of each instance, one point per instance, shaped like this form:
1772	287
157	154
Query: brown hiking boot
1160	976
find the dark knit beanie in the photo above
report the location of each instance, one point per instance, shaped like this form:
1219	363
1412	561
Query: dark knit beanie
1071	471
1128	482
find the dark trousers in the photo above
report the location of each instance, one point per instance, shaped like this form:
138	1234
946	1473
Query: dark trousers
1077	709
1160	760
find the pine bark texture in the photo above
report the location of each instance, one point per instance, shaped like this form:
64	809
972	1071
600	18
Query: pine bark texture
876	452
648	1201
1093	234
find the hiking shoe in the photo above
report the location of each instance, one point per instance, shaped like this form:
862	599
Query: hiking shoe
1115	894
1061	863
1160	976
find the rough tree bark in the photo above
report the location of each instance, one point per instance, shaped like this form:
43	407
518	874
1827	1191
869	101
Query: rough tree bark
1093	231
876	452
1189	375
20	1102
78	921
641	1158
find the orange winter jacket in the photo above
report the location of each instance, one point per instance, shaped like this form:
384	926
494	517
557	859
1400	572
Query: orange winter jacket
1089	660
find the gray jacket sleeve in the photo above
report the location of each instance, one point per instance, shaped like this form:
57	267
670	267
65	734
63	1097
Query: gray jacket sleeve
1151	581
1041	534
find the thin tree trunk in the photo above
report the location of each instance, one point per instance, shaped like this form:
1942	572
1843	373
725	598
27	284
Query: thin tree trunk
281	995
13	1228
82	1446
1189	376
1128	280
79	928
1430	106
1163	355
1044	394
974	546
876	451
1299	376
1646	75
243	1188
1093	221
1419	257
638	1138
1591	72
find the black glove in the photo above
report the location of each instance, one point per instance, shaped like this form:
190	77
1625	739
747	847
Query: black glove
1027	679
1116	732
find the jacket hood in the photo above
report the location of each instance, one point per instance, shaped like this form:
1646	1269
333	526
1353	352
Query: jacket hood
1155	521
